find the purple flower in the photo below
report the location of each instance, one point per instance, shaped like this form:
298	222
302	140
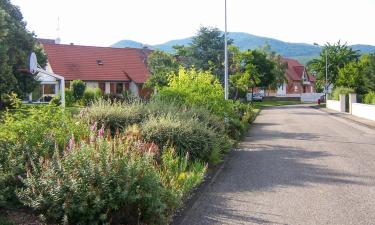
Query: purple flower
101	132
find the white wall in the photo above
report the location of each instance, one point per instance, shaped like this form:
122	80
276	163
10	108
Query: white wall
281	91
363	110
310	97
92	85
334	105
134	89
107	87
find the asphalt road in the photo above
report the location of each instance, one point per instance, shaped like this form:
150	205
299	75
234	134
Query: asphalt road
298	165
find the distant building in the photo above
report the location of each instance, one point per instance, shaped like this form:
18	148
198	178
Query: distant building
113	70
297	81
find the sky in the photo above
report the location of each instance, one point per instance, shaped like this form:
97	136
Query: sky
104	22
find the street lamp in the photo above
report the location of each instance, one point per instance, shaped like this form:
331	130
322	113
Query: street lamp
226	56
326	84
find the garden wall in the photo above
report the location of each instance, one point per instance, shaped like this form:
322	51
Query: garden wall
334	105
363	110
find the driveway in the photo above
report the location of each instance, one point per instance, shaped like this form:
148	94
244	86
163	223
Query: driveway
298	165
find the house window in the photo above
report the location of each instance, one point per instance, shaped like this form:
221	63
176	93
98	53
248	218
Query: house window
119	88
126	85
49	89
102	86
112	88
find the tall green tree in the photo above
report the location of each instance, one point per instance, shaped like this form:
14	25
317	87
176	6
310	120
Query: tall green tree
16	44
206	52
352	76
161	66
338	56
359	75
264	67
279	68
369	69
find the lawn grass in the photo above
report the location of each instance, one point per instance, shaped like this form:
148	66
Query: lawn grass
259	105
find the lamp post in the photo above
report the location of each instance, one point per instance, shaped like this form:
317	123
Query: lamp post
326	83
226	56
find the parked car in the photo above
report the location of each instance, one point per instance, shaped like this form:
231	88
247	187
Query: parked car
257	97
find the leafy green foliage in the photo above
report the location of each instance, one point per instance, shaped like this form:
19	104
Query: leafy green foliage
338	56
187	135
16	43
341	90
110	180
161	65
69	98
206	51
27	135
78	89
179	176
199	89
370	98
90	96
352	75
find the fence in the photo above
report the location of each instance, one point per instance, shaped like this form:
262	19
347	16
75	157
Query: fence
364	111
356	109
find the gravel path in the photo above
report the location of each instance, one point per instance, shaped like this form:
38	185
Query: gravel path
298	165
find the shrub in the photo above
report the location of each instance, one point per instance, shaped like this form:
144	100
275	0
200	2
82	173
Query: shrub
78	89
370	98
200	89
27	135
110	181
69	98
115	115
187	135
179	176
341	90
89	96
56	101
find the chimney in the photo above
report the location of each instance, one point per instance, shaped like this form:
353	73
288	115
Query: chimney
72	43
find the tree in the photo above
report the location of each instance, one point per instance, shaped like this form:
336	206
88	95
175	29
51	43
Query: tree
352	76
78	89
359	75
263	66
279	68
338	56
16	44
161	65
206	52
369	69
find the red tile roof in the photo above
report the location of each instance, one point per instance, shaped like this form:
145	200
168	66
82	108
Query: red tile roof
82	62
295	70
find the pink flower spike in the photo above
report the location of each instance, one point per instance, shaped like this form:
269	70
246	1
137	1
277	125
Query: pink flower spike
101	132
71	143
94	127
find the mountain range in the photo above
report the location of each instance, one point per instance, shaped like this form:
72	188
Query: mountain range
300	51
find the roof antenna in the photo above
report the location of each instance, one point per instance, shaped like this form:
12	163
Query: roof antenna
58	39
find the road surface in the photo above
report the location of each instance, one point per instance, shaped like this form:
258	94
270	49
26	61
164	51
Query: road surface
298	165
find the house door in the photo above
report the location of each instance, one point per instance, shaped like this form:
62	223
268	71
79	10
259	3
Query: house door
304	89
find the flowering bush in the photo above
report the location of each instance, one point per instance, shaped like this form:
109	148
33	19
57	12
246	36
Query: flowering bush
27	135
106	180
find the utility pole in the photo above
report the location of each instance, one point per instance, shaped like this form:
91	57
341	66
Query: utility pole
226	56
